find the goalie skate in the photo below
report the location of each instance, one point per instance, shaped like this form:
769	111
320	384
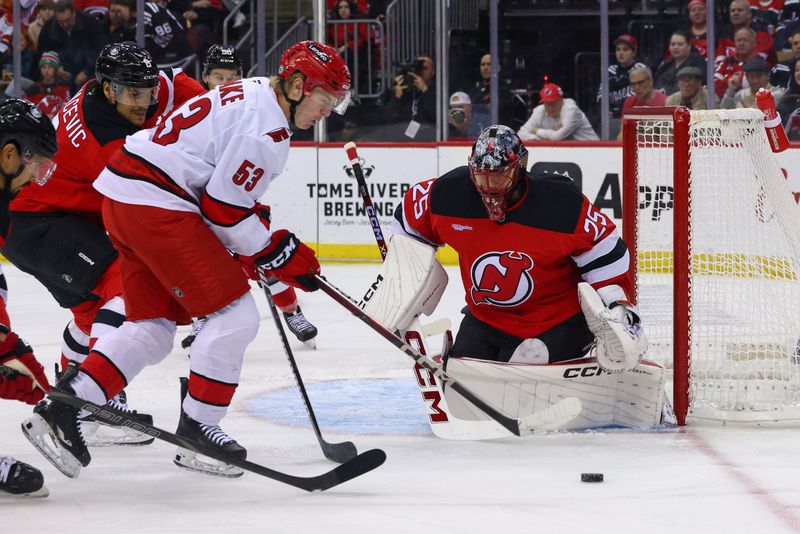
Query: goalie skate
100	434
210	436
18	479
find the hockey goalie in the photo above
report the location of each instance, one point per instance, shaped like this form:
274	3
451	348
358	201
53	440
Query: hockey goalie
547	282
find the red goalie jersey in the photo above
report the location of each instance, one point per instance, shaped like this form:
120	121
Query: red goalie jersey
521	275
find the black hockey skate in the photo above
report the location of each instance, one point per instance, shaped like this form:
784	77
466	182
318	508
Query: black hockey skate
300	327
18	479
210	436
55	430
98	433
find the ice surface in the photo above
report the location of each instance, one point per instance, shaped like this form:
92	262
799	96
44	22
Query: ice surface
702	479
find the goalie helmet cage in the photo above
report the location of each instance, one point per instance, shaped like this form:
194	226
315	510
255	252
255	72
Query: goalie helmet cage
715	233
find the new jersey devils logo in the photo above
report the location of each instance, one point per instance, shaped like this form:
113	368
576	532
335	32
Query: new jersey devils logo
502	278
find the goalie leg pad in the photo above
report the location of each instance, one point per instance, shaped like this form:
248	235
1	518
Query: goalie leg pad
411	282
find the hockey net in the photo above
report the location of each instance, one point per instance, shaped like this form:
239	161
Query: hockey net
716	235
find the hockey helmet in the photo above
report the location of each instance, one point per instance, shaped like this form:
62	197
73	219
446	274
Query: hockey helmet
24	125
322	67
128	65
497	162
222	57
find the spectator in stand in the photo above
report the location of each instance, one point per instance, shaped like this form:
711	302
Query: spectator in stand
411	103
756	72
765	14
120	21
96	8
44	14
697	27
203	16
362	6
732	64
164	36
783	72
352	41
481	95
787	25
50	93
644	94
740	17
77	38
557	119
691	92
789	106
682	54
7	26
28	56
619	87
460	119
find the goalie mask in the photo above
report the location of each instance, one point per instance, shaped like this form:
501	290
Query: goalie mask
497	162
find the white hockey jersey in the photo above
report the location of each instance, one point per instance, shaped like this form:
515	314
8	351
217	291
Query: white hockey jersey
215	155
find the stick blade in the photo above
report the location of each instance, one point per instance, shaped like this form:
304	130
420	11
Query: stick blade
361	464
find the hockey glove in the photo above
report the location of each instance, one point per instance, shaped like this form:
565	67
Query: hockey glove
18	355
15	386
289	260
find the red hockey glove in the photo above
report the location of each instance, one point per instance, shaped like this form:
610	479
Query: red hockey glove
15	386
17	354
289	260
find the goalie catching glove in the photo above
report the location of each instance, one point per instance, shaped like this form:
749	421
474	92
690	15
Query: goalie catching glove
287	259
621	342
28	382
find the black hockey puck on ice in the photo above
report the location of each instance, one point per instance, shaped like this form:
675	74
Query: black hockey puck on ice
591	477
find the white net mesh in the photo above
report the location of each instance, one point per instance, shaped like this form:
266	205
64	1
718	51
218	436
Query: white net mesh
744	233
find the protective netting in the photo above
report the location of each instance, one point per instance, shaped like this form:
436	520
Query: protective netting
744	231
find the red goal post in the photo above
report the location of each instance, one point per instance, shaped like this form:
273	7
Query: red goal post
715	236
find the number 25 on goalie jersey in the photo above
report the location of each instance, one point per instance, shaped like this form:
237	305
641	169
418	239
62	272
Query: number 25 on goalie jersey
521	275
215	156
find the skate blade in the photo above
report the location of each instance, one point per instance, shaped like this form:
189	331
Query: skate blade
99	435
38	433
191	461
310	344
41	493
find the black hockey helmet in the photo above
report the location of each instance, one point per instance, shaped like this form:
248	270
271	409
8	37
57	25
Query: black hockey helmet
222	57
126	64
29	129
23	124
497	162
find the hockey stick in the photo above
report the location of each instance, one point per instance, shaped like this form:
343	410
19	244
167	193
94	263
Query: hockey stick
550	418
369	209
363	463
337	452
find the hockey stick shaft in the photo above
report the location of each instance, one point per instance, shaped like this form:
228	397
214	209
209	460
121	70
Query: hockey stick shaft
369	209
337	452
515	426
359	465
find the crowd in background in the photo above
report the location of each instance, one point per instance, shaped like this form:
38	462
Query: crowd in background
757	46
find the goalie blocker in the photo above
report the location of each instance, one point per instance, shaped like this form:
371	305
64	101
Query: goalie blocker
412	282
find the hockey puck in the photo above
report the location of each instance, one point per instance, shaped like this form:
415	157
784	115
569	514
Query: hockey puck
591	477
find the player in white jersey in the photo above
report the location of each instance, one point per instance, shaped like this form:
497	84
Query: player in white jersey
223	64
179	198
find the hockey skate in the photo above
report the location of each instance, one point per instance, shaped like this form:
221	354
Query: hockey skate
197	325
18	479
301	328
55	431
100	434
210	436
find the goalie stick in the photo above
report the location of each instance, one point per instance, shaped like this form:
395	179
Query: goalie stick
369	209
361	464
337	452
550	418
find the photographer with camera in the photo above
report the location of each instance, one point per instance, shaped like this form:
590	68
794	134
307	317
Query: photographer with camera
460	118
411	104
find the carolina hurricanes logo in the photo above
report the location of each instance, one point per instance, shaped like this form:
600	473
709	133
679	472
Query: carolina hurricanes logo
502	278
